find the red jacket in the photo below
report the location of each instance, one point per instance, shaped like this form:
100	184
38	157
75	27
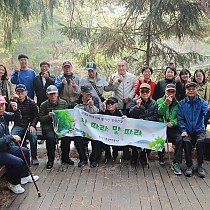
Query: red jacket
151	83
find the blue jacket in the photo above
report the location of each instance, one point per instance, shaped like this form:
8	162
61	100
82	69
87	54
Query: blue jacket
5	137
191	114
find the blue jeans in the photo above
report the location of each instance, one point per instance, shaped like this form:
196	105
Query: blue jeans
17	130
16	168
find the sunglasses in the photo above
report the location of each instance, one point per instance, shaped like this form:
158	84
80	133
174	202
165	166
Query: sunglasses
110	103
144	91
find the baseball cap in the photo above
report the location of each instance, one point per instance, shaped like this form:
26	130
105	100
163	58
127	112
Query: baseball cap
171	86
91	66
191	84
113	99
52	89
20	87
145	85
86	89
67	63
2	100
22	56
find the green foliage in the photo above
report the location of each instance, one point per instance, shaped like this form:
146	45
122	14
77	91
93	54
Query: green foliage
158	143
63	120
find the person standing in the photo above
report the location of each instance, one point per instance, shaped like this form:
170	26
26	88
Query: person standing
42	81
7	89
146	72
10	155
191	114
97	81
27	124
68	85
124	92
24	75
170	74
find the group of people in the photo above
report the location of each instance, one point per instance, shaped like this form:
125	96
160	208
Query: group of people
180	101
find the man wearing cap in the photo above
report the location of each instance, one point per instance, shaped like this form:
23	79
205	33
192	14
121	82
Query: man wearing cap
24	75
10	155
46	119
97	81
191	114
144	108
28	122
42	81
88	103
68	85
110	107
167	109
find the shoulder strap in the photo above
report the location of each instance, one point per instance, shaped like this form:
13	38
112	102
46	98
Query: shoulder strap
96	89
205	91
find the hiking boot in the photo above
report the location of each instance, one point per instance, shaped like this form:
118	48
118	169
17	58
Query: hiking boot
40	141
82	163
93	164
17	189
68	161
176	168
49	165
28	179
201	172
34	160
189	172
161	160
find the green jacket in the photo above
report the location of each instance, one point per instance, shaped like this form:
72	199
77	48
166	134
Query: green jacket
167	115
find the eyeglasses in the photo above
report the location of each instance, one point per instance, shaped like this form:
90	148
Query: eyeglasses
144	91
110	103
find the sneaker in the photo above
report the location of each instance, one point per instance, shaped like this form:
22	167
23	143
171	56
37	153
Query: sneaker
176	168
189	172
17	189
49	165
28	179
201	172
40	141
161	161
34	160
82	163
68	161
93	164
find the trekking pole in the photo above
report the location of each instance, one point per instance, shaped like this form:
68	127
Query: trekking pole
25	135
29	170
169	157
55	128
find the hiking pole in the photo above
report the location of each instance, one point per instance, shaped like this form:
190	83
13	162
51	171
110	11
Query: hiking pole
29	170
169	158
55	128
25	135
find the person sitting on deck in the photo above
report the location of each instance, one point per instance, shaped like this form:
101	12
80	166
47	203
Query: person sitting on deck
167	109
10	155
191	114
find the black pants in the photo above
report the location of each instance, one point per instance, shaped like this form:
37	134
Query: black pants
174	136
198	140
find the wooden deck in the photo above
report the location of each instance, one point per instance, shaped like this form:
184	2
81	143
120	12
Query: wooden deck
113	186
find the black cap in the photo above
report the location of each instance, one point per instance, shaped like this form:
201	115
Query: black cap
191	84
113	99
22	56
86	88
